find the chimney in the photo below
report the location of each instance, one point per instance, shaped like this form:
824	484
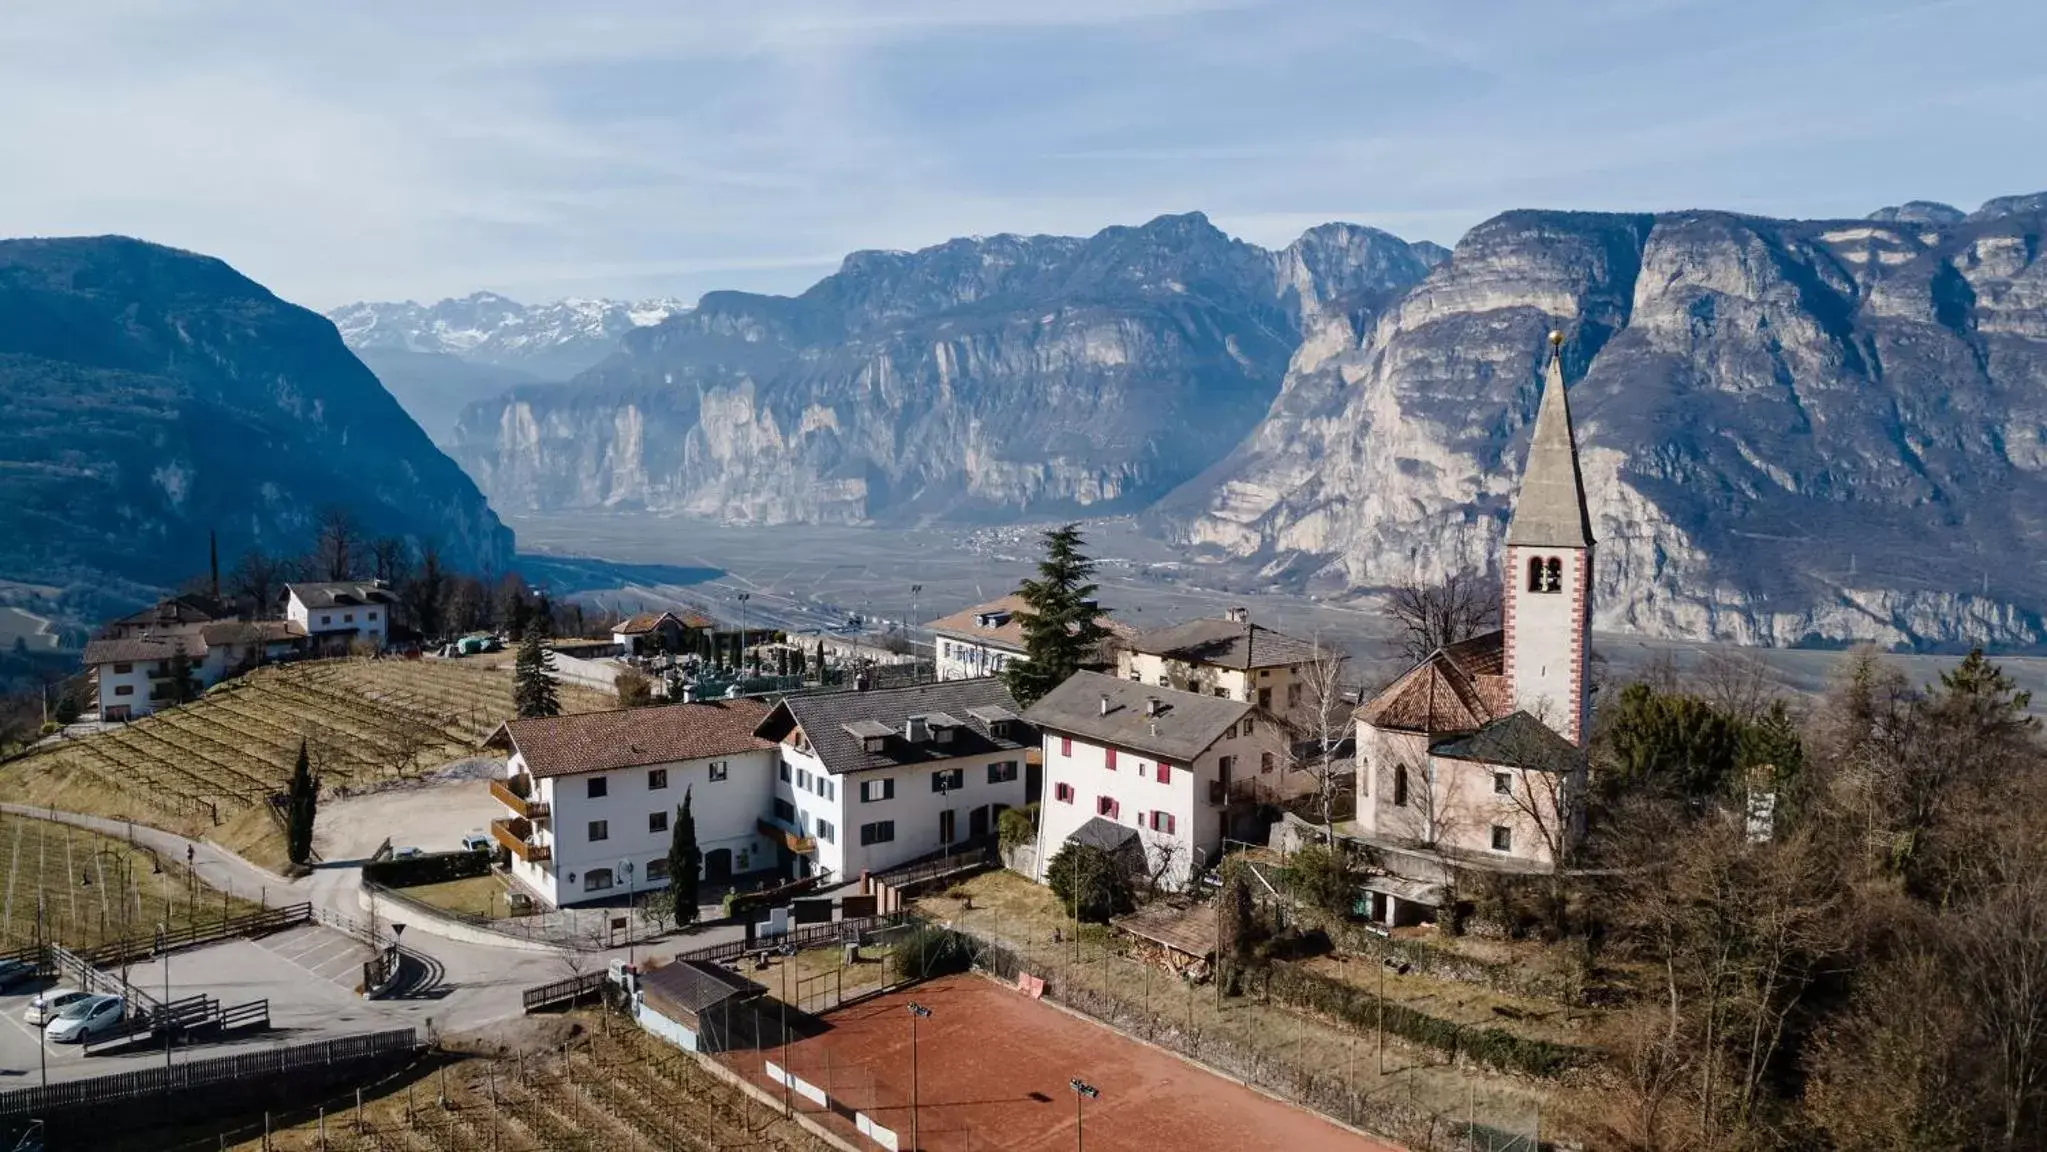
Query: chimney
1105	703
1151	707
1238	615
915	730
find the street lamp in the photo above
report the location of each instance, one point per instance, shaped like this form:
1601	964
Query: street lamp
163	954
1082	1091
917	1012
625	868
907	638
743	598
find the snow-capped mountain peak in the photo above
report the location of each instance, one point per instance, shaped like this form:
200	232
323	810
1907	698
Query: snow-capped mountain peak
552	340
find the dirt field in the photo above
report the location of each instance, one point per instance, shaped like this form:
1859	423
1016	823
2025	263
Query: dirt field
993	1068
67	884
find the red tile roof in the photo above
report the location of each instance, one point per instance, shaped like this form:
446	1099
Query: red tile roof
1459	688
630	737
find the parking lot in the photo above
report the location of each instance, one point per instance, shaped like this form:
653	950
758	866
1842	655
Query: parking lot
308	974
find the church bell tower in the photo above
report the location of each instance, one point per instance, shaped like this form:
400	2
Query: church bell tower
1546	609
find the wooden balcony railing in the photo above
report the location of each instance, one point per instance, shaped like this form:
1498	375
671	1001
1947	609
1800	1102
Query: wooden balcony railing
513	833
511	795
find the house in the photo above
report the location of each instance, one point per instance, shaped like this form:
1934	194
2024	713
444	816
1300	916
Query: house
986	639
337	614
590	798
1229	657
1127	762
647	632
130	666
1475	756
870	780
171	614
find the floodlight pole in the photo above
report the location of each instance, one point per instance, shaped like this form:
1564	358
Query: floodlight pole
916	1011
1082	1092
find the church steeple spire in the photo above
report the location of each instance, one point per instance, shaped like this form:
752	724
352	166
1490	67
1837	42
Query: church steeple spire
1550	510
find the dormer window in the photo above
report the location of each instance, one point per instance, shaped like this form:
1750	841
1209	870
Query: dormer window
1545	574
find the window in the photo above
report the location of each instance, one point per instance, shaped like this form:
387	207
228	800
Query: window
948	780
657	822
829	789
803	779
1107	806
124	689
1293	695
826	832
1226	765
1400	785
325	619
872	790
1503	838
1066	745
879	832
785	771
1109	759
1247	720
1162	822
1063	793
600	830
1264	701
785	811
370	616
596	879
123	669
657	779
720	769
1503	784
1165	772
1002	772
600	787
657	869
1545	574
1223	692
348	618
1264	763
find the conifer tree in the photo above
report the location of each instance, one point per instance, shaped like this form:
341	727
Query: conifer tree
302	798
1061	623
535	692
684	861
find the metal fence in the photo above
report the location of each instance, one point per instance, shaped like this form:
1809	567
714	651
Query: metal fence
201	1073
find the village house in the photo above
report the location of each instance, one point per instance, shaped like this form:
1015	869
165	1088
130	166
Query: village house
1148	771
649	632
130	665
871	780
590	798
336	615
1474	758
1229	657
986	639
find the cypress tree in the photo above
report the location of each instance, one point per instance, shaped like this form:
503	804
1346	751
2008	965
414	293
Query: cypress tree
1061	624
684	862
535	692
302	798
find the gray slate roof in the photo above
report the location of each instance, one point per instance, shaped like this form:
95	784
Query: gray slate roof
1187	724
1550	510
1225	644
695	985
1516	740
341	593
1105	834
825	717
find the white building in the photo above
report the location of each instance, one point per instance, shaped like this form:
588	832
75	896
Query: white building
1229	657
588	795
336	614
979	641
1127	763
871	780
131	674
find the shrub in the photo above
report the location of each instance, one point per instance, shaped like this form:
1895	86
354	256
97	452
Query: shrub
1323	879
427	868
1296	988
1018	826
1090	878
926	952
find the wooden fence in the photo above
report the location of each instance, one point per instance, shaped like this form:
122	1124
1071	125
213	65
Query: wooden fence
196	1074
808	937
145	946
563	991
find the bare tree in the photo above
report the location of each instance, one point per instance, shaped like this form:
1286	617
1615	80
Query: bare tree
1163	857
335	548
1320	719
1432	616
387	555
1736	683
257	579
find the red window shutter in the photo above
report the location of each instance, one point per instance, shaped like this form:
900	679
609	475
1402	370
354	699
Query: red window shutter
1066	745
1115	809
1169	824
1165	772
1109	759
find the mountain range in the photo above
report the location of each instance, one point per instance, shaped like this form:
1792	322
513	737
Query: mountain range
150	395
1793	431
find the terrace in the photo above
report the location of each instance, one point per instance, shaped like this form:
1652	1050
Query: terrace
513	833
516	794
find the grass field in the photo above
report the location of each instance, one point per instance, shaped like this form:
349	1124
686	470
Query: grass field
617	1089
206	769
89	889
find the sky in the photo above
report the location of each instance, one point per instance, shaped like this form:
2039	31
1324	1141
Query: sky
416	150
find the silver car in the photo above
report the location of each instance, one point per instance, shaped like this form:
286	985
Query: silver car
44	1007
87	1018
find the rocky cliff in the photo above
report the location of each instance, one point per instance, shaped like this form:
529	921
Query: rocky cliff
148	395
1791	431
984	378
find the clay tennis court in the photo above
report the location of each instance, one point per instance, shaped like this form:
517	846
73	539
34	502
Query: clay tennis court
993	1072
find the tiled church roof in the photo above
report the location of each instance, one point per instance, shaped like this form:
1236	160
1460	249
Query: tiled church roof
1459	688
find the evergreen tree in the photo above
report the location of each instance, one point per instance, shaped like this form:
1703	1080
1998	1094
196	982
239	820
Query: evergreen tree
183	683
1061	623
301	799
1670	743
685	860
535	692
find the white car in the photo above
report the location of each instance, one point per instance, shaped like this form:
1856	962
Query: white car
45	1006
476	842
87	1018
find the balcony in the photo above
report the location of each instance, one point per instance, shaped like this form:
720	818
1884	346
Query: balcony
1222	794
514	793
513	833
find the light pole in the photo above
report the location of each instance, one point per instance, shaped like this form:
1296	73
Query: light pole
912	618
1082	1091
163	954
917	1012
741	656
625	868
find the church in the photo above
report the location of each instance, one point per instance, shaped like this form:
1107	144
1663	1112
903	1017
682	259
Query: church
1475	757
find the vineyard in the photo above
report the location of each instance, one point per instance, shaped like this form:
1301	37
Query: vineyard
216	761
609	1088
83	889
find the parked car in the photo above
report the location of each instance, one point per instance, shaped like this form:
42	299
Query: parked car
93	1016
14	972
404	853
44	1007
476	842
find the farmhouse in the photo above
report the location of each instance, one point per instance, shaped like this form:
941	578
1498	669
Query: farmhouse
135	672
871	780
590	798
1229	657
335	615
986	639
1125	761
649	632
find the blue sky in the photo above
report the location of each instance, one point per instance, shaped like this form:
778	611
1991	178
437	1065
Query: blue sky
385	150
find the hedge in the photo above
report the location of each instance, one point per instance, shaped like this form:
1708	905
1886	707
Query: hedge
427	868
1309	992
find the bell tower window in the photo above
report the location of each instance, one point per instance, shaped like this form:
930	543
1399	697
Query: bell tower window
1545	574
